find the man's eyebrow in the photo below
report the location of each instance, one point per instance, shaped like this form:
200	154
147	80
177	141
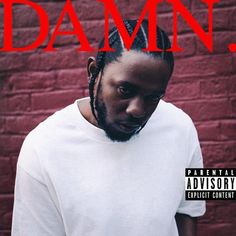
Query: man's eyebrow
128	84
137	88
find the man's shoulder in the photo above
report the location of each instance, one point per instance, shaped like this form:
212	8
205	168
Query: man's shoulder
44	141
168	113
171	123
54	124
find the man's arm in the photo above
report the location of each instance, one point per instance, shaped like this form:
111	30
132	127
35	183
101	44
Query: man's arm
187	225
34	210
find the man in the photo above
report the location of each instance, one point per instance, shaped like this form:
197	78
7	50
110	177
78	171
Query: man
113	164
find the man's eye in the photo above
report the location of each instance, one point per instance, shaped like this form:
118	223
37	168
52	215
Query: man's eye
124	91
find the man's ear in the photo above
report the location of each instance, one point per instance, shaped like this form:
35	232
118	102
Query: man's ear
91	66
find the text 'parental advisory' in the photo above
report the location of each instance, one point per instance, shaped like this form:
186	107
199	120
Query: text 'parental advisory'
210	184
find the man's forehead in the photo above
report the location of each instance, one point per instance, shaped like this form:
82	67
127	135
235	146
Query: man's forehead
138	69
137	63
133	57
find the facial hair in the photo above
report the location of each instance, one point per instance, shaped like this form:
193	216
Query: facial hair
111	132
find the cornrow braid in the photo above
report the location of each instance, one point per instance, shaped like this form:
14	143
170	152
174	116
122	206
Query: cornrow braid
100	61
100	65
140	42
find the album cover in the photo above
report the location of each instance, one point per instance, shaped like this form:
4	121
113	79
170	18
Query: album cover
44	51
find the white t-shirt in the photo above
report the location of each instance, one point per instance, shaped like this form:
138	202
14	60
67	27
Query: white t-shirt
72	180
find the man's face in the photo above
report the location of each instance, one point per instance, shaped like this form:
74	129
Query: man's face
128	92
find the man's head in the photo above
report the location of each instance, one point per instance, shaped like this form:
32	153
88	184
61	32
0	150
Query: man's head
126	86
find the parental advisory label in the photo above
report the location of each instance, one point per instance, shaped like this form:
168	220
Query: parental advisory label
210	184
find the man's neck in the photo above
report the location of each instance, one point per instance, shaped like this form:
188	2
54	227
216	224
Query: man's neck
85	109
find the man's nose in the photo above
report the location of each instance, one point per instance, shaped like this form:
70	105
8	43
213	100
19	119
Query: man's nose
136	108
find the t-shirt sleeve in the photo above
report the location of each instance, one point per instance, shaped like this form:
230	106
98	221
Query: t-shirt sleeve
35	212
193	208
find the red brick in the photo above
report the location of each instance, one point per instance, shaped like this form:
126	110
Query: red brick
225	3
86	92
60	59
226	212
22	124
6	202
182	91
221	19
221	40
12	61
54	100
209	130
219	152
209	215
217	230
10	144
1	38
220	163
234	63
188	44
15	103
24	16
89	10
4	82
217	87
184	26
207	109
233	102
95	30
5	233
2	123
232	20
13	165
232	85
72	78
32	81
64	39
6	206
198	4
6	184
166	21
1	17
26	36
132	8
128	9
228	129
204	65
184	78
5	166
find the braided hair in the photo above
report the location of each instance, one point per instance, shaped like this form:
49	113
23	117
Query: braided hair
140	42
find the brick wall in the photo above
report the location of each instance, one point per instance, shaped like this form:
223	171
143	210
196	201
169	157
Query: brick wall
35	84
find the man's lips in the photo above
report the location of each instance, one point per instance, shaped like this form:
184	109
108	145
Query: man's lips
129	127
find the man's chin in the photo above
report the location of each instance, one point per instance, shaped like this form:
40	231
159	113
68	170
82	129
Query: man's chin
119	136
